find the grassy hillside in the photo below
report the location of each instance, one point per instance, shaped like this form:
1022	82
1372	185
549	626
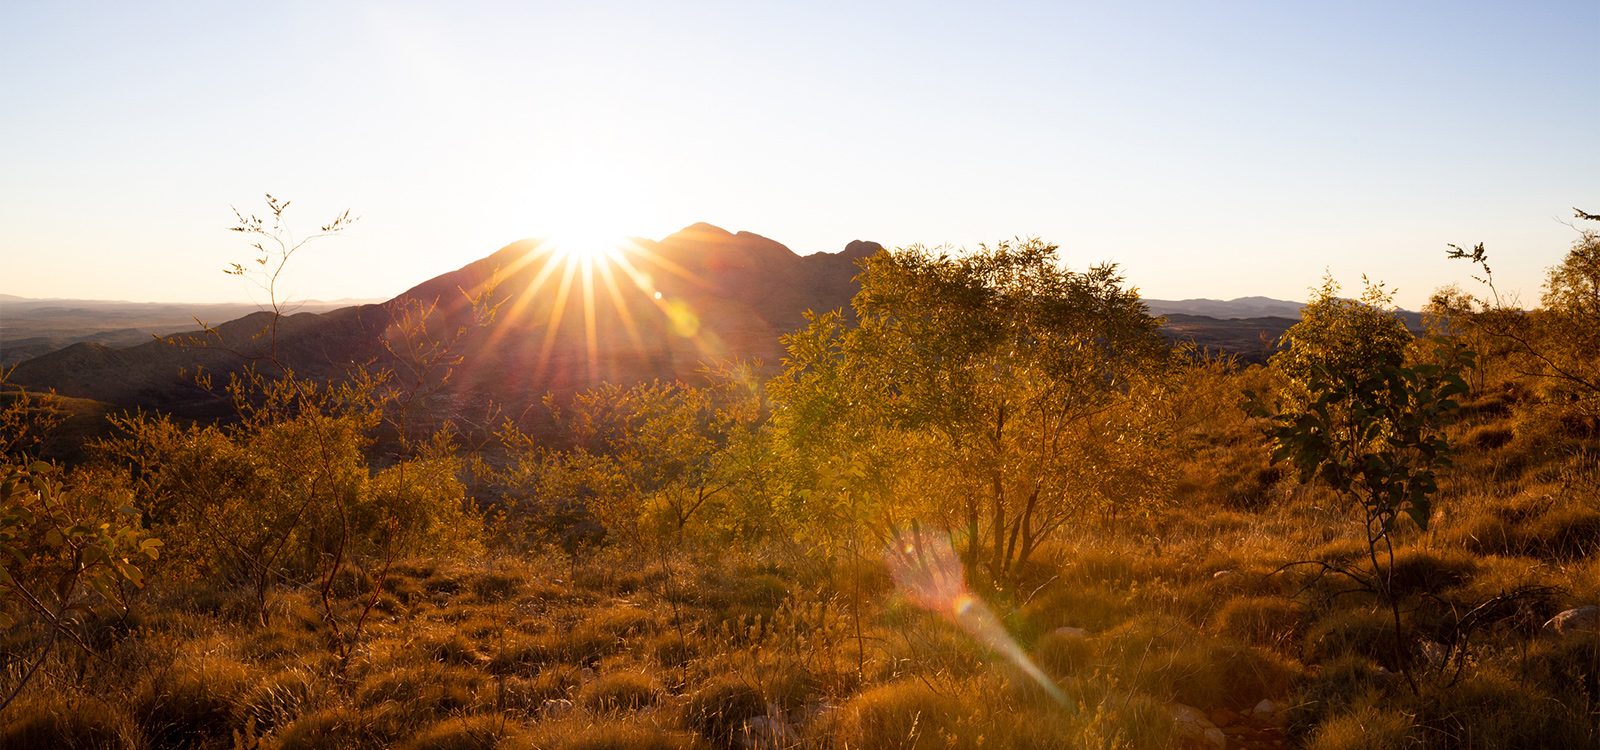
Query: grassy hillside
868	551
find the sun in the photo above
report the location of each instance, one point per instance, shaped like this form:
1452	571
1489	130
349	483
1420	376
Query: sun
585	245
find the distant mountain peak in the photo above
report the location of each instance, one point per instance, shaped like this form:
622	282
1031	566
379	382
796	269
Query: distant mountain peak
700	231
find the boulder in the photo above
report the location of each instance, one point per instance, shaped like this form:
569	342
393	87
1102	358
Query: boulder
1192	725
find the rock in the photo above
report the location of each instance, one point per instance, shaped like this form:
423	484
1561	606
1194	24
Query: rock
766	733
1071	632
1224	718
555	707
1192	725
1577	620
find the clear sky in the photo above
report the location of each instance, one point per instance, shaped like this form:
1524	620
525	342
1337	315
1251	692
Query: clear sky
1213	149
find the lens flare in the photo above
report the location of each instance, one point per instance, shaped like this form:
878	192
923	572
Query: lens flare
927	570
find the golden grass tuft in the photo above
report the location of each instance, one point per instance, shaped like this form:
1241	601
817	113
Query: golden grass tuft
56	721
902	715
619	691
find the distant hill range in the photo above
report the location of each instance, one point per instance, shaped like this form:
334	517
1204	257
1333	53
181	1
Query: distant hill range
661	309
31	327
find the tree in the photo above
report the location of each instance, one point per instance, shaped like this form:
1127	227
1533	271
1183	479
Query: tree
1359	420
1005	367
1555	345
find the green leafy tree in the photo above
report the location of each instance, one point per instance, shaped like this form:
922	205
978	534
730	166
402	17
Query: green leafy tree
1003	367
1361	421
67	545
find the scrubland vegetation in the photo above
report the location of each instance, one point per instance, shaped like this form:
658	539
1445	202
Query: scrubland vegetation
989	465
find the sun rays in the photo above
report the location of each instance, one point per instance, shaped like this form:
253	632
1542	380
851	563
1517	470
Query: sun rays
608	284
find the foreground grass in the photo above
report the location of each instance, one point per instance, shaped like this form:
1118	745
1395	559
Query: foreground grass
1227	622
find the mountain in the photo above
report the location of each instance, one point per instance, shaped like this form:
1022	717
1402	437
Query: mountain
32	327
561	323
1240	307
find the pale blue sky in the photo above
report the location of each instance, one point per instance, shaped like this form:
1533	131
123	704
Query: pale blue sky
1213	149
